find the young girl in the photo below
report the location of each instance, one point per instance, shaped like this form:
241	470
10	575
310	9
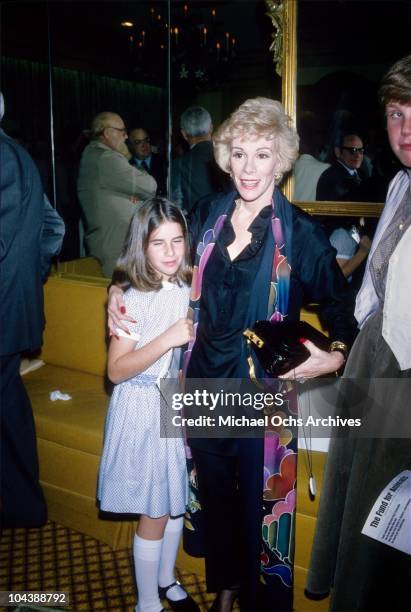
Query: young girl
140	472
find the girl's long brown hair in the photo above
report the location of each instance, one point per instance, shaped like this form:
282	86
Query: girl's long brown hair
133	266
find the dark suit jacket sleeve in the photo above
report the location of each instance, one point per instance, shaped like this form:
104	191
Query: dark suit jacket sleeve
52	235
11	193
21	223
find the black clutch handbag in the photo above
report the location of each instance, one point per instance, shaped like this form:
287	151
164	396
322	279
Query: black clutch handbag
279	346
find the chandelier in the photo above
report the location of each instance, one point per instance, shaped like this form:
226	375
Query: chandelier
202	47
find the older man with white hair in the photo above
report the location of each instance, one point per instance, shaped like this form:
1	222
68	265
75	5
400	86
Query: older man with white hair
109	188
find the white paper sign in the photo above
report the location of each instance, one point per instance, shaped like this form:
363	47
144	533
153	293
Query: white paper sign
389	521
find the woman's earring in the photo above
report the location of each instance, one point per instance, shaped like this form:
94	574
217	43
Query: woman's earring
277	177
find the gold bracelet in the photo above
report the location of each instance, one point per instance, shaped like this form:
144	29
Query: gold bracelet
337	345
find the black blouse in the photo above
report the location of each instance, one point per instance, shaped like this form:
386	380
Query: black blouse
225	297
315	278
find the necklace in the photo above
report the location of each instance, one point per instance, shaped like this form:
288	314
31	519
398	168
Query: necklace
312	484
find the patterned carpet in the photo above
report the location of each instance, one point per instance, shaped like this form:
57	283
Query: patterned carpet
55	558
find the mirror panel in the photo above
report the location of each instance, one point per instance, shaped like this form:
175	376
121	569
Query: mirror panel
104	56
343	52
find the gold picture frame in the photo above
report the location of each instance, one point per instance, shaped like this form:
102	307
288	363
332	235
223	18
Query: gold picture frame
341	209
284	14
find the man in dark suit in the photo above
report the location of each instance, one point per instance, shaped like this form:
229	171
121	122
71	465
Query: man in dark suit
342	182
144	158
31	233
195	174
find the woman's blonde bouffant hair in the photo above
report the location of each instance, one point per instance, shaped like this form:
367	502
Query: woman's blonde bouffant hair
255	118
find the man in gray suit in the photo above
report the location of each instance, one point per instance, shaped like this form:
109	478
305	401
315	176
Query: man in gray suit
109	188
195	174
31	233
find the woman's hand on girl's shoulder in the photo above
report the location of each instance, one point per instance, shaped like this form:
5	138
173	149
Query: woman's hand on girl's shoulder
179	333
319	363
116	311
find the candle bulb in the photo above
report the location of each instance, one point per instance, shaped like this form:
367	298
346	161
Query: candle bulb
218	47
227	41
185	10
176	34
213	13
205	36
233	42
143	36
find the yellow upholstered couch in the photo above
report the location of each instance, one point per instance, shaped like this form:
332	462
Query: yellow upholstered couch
70	433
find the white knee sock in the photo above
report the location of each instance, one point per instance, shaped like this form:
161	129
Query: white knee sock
146	563
171	540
